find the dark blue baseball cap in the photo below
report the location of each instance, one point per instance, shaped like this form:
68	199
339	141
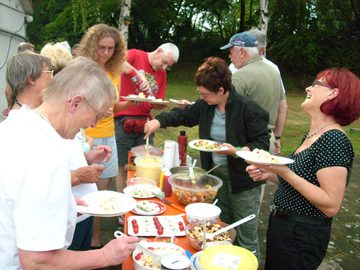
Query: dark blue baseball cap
244	39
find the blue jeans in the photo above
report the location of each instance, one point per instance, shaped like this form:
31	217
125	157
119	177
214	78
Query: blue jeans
237	206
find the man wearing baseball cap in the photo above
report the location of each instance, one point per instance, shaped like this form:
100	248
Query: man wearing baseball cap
262	83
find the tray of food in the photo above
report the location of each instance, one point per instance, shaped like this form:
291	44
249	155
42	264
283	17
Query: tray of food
155	226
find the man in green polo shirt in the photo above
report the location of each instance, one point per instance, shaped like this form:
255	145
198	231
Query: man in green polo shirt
258	80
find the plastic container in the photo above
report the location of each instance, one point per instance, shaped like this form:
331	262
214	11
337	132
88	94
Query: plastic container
202	212
175	262
203	189
182	141
227	257
148	166
166	187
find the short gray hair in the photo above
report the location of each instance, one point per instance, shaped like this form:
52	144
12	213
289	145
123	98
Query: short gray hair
82	77
172	49
259	36
22	67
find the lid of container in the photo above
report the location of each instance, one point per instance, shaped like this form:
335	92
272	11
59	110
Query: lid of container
182	133
175	262
228	257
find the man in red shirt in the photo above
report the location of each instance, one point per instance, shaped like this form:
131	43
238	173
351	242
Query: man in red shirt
129	123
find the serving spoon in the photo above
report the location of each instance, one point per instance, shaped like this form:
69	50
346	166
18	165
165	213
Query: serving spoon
237	223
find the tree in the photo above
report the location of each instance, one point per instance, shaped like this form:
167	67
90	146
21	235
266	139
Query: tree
125	19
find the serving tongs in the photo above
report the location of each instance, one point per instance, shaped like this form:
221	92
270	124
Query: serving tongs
154	256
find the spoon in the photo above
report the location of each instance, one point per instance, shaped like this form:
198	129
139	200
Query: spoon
191	171
154	256
213	168
147	142
237	223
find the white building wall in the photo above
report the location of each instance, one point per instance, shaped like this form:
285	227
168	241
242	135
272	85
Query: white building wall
12	32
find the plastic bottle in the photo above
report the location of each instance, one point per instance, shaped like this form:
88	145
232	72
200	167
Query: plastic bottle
166	187
135	78
182	141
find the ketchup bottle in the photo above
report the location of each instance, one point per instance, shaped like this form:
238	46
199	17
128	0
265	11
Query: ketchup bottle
135	79
182	141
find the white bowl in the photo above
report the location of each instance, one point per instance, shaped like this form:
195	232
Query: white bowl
202	212
160	248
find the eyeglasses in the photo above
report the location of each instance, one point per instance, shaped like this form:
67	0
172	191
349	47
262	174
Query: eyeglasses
99	115
319	83
104	48
205	95
51	72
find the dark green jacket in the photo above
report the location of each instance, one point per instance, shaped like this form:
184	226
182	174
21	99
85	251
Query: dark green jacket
246	125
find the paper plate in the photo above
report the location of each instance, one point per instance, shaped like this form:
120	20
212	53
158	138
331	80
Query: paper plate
106	203
206	145
154	208
142	191
274	160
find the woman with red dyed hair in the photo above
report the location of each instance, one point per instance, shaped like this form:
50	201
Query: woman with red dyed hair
312	188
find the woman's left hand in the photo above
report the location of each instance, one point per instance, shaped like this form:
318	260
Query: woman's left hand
231	150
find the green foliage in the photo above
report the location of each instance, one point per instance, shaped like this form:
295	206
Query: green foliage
304	37
308	36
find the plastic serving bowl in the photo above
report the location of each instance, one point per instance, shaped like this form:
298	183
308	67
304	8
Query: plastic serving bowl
202	212
203	189
197	242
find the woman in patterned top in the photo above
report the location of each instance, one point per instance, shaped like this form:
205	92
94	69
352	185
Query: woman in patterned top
312	188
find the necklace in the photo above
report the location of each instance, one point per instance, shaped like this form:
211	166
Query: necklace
316	132
18	103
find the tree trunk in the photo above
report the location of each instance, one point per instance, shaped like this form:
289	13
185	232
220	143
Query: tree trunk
264	17
242	16
124	19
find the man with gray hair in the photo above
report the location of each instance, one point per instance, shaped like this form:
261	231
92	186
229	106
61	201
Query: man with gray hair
262	83
38	211
129	123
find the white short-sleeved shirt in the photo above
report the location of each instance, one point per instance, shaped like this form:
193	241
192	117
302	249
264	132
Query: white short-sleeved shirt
37	209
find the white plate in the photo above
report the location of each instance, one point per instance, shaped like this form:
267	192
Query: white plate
154	101
142	191
106	203
145	99
194	144
250	156
137	98
158	208
177	101
146	225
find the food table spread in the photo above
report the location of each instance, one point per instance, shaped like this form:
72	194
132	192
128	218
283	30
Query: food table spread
174	209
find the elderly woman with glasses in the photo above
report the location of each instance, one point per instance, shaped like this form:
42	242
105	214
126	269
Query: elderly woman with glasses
312	188
239	123
28	75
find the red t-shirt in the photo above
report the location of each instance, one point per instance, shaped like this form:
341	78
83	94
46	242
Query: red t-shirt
139	60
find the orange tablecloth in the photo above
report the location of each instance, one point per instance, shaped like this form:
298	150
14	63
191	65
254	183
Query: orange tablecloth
181	240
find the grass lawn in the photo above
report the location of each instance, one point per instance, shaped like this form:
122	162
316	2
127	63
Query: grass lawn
181	85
